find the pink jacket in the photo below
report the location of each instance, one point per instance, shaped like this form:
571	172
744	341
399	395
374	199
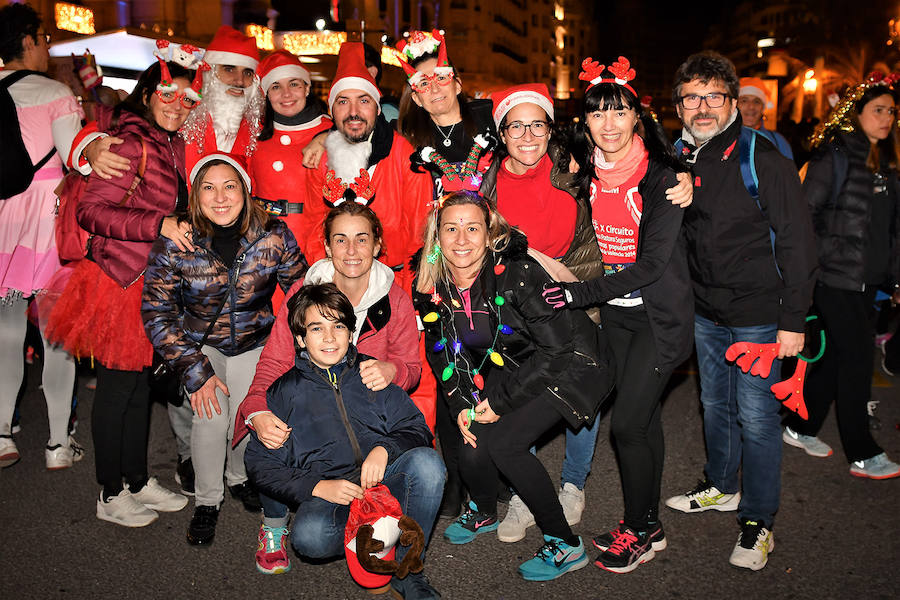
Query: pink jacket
395	340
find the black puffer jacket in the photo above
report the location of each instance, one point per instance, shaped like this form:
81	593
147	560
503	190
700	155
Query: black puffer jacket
841	220
660	272
583	257
560	352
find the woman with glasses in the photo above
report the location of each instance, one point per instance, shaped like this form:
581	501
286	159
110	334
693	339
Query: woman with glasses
852	189
530	185
99	312
644	291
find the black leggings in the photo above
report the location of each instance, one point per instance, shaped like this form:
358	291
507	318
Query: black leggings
844	374
120	423
636	424
505	445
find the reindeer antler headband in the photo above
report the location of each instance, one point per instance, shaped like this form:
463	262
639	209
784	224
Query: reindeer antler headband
621	71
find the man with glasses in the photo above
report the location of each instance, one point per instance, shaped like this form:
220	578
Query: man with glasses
750	285
48	119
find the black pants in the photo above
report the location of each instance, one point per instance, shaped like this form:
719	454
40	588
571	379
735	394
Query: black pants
120	424
844	374
636	420
504	446
450	440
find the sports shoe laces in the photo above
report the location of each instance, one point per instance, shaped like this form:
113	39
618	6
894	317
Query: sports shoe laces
750	534
269	537
549	550
624	540
703	486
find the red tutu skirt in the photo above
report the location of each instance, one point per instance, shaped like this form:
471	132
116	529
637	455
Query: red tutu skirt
94	317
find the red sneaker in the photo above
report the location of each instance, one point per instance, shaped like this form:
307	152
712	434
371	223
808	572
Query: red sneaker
271	554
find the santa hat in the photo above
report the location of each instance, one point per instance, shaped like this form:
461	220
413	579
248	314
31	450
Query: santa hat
239	162
756	87
281	64
535	93
231	47
352	73
418	45
380	510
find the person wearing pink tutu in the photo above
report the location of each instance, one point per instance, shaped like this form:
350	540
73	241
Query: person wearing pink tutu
99	312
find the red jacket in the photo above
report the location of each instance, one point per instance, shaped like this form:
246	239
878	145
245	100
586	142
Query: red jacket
402	201
242	143
123	234
396	341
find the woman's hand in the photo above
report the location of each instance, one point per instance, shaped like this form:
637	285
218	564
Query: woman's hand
682	194
205	397
372	470
484	413
271	431
377	374
314	150
177	231
462	420
104	162
337	491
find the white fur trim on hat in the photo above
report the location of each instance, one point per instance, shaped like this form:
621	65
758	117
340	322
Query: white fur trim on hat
225	158
220	57
752	90
522	97
285	72
352	83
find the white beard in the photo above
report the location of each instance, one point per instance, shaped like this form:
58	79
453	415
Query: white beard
347	158
227	113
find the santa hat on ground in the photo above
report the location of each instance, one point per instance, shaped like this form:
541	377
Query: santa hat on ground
352	73
239	162
281	64
535	93
382	513
231	47
756	87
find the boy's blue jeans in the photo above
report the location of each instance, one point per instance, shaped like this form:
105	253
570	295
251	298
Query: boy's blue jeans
416	479
740	420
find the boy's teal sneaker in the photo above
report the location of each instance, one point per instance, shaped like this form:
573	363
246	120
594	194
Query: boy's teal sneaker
470	524
553	559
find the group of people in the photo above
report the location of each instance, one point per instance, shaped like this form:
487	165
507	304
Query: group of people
333	293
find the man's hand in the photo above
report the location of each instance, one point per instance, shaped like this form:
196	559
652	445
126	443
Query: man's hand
271	431
177	231
682	194
373	467
314	150
791	343
205	397
337	491
377	374
104	162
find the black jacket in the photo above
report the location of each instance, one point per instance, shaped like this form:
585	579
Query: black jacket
736	282
660	272
559	352
841	218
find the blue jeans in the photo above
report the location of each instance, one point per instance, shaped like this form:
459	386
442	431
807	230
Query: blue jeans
579	454
740	419
416	479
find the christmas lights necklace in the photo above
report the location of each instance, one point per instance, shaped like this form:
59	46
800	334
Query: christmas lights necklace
447	142
450	344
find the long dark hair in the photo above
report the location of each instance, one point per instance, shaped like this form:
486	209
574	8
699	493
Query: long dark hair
888	147
138	101
252	215
612	96
414	122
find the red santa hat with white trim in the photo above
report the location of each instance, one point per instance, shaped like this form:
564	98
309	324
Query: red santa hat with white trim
237	161
281	64
352	73
756	87
231	47
535	93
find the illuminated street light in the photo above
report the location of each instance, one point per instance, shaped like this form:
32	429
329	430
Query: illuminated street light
320	24
809	82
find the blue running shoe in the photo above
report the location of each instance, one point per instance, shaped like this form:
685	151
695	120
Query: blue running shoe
470	524
553	559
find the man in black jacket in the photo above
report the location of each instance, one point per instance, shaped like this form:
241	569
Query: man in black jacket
749	286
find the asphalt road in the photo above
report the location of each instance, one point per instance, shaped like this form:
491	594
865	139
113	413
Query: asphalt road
836	536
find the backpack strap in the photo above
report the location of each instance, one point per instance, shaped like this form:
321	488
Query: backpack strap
139	176
5	83
747	155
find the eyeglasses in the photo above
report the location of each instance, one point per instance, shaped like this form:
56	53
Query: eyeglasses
170	97
713	100
517	129
420	82
41	34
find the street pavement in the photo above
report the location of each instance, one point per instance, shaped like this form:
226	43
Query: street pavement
836	536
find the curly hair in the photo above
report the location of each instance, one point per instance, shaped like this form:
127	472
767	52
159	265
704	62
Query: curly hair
706	66
16	22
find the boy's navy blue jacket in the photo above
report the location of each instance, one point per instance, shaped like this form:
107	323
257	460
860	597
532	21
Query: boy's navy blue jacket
319	414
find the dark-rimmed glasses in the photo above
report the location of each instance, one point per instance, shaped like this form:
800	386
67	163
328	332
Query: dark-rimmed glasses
517	129
713	100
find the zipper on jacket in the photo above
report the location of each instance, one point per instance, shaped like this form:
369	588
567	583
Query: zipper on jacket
342	410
